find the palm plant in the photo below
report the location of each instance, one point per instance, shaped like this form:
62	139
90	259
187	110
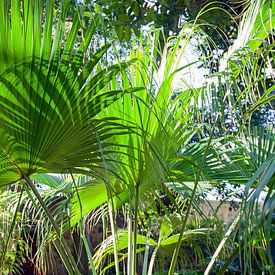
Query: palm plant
50	94
163	134
143	158
230	94
249	85
62	112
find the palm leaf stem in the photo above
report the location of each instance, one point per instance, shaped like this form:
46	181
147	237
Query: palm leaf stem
146	254
135	230
113	229
130	236
153	258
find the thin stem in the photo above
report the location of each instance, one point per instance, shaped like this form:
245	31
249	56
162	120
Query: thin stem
130	237
135	230
152	261
146	254
67	258
111	215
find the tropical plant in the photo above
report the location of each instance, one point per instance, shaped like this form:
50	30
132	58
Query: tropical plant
50	94
125	139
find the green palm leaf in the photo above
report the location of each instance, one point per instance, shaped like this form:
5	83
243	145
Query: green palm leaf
49	100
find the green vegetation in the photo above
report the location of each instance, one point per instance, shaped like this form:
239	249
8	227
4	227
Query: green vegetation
100	133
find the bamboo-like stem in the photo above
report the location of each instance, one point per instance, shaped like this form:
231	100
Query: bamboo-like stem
130	237
67	257
146	254
152	261
134	266
113	230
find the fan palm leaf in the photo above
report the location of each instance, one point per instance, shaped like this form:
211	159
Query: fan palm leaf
49	98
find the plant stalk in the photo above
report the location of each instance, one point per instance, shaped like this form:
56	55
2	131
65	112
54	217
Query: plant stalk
134	266
111	215
146	254
152	261
130	239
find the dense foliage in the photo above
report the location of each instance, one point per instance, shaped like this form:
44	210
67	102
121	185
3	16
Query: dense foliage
168	15
130	143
